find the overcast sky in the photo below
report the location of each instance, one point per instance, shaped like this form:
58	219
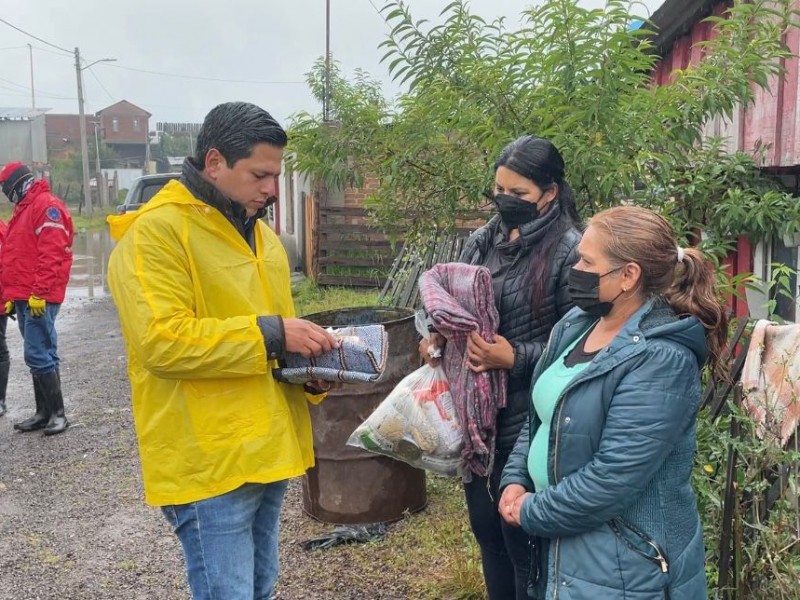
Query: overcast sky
268	45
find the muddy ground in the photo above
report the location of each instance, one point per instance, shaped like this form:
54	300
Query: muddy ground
73	523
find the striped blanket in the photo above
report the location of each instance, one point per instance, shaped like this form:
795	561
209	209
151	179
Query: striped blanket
459	299
361	358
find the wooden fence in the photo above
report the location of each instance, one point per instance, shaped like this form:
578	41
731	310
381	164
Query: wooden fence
346	249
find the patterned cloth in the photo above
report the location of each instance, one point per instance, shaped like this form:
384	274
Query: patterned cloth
771	380
459	299
361	358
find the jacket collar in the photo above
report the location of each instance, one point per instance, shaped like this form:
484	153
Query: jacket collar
531	233
201	189
39	186
628	342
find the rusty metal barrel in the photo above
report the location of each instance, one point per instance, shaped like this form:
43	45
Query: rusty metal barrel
349	485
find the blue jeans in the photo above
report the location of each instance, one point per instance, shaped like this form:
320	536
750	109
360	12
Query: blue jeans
39	337
230	542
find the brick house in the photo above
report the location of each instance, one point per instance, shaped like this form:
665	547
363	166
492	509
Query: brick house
64	134
125	128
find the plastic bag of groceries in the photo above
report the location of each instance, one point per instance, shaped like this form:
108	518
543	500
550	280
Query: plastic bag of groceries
416	423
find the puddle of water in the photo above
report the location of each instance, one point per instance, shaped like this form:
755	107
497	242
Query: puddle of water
90	251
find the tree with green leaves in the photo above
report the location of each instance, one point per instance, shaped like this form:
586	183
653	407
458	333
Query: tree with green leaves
579	77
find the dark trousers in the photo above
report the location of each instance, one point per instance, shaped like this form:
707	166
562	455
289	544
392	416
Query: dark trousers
505	550
3	344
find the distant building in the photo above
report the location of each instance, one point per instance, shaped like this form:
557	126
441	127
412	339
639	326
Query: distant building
124	127
64	134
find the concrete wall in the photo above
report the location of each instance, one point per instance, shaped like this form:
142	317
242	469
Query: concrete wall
23	140
294	188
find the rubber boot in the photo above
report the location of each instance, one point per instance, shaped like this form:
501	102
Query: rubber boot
42	416
50	385
4	366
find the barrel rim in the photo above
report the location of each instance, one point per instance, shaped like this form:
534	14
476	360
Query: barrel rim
400	309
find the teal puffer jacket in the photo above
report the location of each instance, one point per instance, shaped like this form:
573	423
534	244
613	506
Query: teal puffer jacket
619	519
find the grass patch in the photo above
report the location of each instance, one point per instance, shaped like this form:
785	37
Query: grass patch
430	555
310	298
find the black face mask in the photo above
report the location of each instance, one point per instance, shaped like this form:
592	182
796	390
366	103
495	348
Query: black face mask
515	211
584	288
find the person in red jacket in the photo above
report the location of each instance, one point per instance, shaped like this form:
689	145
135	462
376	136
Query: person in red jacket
5	362
35	262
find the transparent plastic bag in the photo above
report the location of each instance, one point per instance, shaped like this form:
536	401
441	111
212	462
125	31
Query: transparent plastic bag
416	424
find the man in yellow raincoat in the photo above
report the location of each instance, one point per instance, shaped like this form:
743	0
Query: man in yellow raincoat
203	292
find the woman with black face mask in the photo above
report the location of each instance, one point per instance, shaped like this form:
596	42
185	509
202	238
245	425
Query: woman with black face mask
529	247
600	477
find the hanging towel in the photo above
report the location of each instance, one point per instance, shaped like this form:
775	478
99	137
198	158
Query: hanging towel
771	380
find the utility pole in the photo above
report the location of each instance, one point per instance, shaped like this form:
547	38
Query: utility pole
326	103
102	188
33	95
87	193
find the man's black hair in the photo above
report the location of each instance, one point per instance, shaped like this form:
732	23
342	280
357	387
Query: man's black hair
234	128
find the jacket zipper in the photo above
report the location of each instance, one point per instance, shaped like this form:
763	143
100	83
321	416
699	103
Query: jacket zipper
659	559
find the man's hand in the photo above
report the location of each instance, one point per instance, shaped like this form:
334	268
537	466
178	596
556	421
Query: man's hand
9	309
484	356
306	338
36	306
435	340
507	508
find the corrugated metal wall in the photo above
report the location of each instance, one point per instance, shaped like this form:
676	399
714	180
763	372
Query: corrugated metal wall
770	122
23	140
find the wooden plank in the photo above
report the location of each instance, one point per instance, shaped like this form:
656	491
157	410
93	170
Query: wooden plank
328	228
727	355
388	287
349	211
377	245
726	554
349	261
350	280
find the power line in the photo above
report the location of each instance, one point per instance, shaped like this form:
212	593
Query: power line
13	47
198	78
33	36
40	49
97	79
377	10
38	92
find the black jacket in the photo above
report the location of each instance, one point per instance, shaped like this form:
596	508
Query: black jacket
527	330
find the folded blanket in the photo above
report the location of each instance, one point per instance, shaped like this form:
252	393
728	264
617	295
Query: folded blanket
771	380
361	358
459	299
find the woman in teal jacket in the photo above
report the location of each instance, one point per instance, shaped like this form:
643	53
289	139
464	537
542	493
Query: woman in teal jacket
601	477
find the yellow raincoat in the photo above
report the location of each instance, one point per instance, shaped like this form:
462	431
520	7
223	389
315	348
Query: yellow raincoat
208	414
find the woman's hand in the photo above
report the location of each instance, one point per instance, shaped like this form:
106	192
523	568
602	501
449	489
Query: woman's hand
435	340
510	503
484	356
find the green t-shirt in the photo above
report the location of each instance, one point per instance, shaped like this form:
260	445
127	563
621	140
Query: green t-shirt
546	391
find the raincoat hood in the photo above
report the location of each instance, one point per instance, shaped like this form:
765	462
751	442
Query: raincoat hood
172	193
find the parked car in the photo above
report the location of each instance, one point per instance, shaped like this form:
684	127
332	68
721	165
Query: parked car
143	189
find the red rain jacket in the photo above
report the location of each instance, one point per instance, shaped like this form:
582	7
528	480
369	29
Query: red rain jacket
36	255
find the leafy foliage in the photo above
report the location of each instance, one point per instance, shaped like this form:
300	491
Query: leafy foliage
577	76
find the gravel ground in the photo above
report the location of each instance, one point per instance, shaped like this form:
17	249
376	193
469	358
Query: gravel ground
73	523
